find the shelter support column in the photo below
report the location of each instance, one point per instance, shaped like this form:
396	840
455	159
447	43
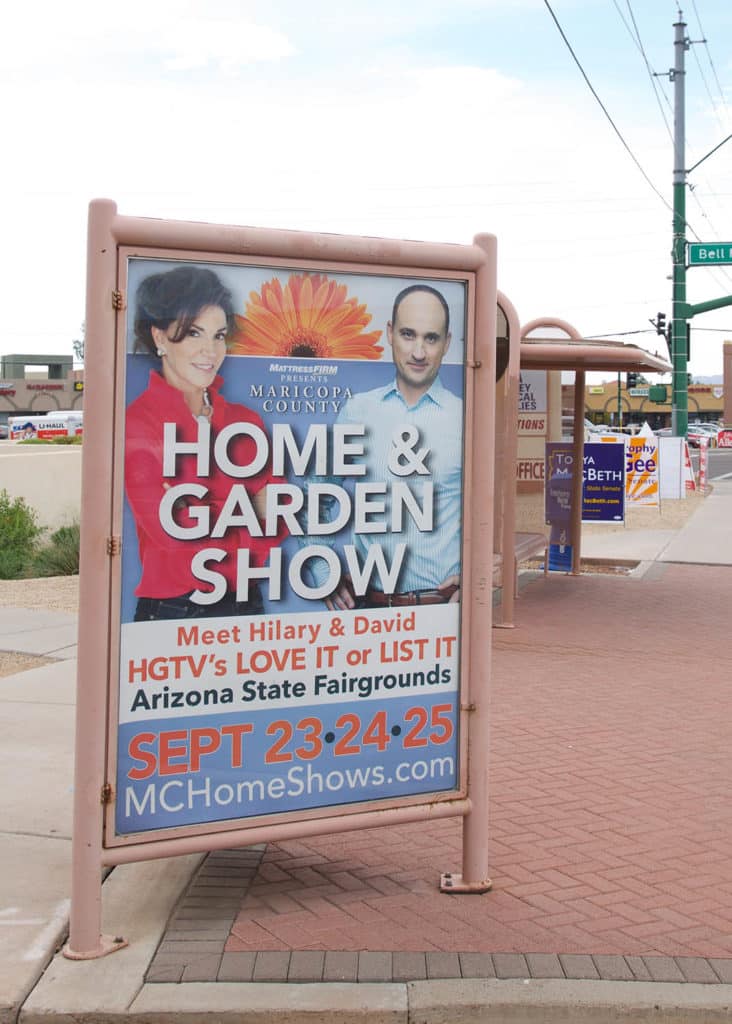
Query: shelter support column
578	456
474	877
86	941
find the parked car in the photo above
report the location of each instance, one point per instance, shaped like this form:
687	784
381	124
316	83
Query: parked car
606	432
712	429
695	434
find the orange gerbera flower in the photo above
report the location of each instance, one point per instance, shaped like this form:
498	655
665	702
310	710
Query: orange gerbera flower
309	317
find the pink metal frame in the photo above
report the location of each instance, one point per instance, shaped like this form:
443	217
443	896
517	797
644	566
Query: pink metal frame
578	435
98	605
511	380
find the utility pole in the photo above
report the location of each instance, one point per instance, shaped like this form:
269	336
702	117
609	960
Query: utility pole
714	253
679	385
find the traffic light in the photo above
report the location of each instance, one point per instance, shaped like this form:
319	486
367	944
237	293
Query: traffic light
631	380
660	323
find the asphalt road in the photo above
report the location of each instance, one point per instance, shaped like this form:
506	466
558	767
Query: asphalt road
720	463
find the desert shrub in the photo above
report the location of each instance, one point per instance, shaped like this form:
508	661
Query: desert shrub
60	439
60	556
19	533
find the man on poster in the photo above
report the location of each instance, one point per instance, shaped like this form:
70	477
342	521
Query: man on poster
416	419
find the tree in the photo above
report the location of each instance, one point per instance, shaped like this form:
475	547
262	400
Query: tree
78	345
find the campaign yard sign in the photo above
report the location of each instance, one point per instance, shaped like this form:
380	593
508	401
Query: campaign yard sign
603	483
641	471
302	474
558	503
603	492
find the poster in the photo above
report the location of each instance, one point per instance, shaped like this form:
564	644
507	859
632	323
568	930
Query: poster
290	608
603	483
558	503
641	471
603	492
532	403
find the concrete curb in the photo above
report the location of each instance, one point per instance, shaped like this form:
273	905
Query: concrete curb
138	900
565	1002
426	1002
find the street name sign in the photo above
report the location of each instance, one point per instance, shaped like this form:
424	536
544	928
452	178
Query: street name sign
710	253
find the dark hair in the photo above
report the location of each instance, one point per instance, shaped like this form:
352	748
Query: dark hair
178	295
421	288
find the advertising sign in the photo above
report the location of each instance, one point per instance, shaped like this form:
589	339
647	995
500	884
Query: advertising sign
559	469
724	438
532	391
603	483
641	471
291	540
558	503
703	463
688	471
671	462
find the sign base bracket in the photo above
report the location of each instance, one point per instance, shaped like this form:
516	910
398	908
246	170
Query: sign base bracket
107	945
452	883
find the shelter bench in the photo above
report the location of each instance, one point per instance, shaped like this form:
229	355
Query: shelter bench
528	545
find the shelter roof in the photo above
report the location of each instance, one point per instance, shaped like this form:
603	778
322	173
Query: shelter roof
554	345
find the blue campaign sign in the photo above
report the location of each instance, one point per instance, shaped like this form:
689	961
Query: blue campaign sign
558	473
603	483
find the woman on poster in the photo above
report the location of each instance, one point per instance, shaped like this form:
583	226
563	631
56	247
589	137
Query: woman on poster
184	318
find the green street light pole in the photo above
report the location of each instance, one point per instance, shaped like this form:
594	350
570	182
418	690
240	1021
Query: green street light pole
679	387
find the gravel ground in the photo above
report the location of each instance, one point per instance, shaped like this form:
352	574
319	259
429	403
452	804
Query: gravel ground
671	516
58	593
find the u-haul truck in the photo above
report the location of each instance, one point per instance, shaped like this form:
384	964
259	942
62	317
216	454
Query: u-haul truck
60	424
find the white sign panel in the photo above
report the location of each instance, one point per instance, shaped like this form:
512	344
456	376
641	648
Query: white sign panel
532	391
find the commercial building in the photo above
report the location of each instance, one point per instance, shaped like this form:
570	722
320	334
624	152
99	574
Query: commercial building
643	402
37	384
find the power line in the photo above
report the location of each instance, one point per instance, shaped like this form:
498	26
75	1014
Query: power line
604	108
649	330
709	56
703	40
639	44
617	334
706	86
635	36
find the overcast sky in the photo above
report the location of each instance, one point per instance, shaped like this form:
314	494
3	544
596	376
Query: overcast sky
409	119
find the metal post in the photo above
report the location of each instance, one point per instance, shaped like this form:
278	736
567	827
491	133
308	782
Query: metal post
474	876
679	399
86	941
620	404
575	525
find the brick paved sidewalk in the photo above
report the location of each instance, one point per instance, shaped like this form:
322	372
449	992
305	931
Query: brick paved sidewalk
611	822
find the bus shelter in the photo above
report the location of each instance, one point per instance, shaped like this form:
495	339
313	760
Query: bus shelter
543	344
